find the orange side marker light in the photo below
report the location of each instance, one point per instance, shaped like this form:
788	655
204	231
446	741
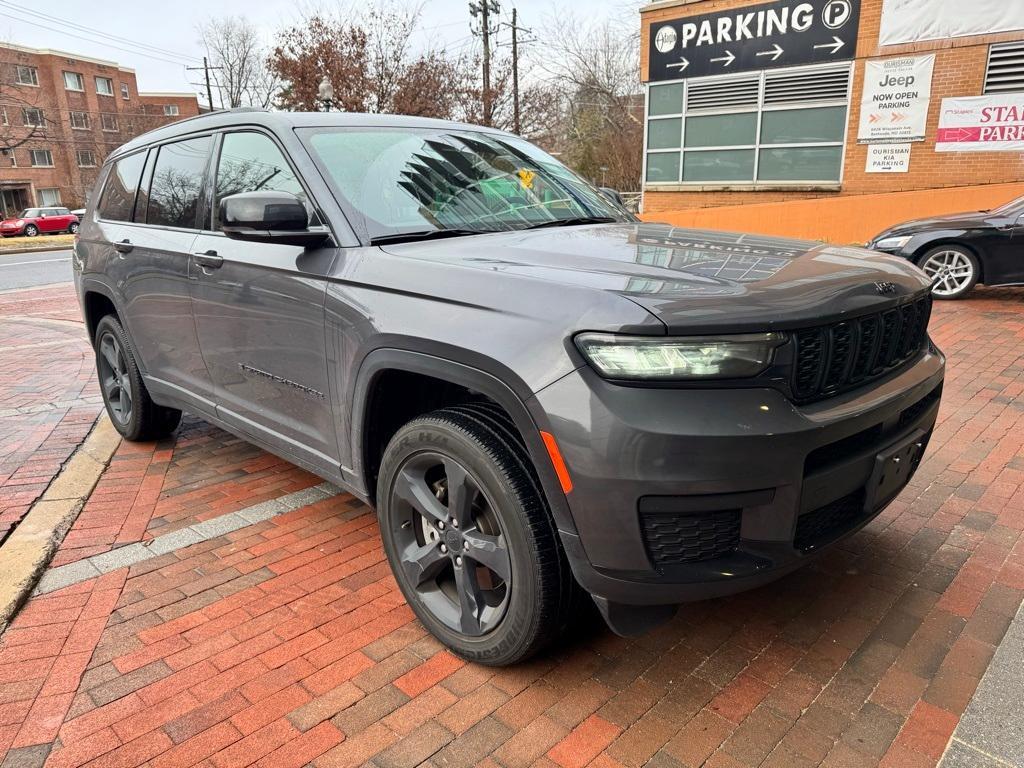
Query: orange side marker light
557	461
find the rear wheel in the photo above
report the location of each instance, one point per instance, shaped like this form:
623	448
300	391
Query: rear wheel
73	229
469	536
953	269
128	404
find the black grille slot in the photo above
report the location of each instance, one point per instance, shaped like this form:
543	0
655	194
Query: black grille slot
839	357
828	523
914	412
690	538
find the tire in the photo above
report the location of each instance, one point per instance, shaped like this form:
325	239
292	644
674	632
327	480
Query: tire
125	396
509	523
73	229
31	230
955	268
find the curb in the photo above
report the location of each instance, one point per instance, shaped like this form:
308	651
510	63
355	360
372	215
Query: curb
31	545
38	249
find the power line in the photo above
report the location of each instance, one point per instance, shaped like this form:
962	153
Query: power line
91	30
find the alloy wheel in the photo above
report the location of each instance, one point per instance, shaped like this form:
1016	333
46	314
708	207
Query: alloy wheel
951	270
450	544
114	378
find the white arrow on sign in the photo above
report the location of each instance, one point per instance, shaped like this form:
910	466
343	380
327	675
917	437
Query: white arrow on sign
728	59
777	51
839	43
681	65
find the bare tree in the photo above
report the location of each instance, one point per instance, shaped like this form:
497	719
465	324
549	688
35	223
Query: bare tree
239	61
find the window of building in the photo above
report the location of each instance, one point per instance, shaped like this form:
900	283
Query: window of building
773	127
118	196
32	116
27	75
86	158
108	122
3	116
171	110
11	157
41	158
104	86
177	183
49	197
80	120
1005	71
73	81
124	91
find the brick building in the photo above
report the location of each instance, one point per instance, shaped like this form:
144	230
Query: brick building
754	112
60	115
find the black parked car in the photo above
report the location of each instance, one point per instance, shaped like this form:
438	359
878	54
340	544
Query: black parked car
544	399
960	250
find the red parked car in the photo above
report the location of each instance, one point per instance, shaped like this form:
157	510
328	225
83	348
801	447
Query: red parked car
36	221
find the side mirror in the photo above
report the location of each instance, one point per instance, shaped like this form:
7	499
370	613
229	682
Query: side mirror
268	217
613	195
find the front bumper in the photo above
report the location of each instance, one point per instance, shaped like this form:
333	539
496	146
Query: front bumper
685	494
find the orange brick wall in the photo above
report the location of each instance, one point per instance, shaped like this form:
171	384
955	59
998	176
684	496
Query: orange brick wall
959	71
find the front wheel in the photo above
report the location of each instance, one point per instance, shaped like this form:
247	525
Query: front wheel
469	537
31	230
128	404
954	271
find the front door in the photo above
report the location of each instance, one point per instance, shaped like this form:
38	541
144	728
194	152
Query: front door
259	312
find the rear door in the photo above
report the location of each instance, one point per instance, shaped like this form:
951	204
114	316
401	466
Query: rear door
259	311
152	258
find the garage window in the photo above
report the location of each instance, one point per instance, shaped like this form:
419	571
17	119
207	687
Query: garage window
775	127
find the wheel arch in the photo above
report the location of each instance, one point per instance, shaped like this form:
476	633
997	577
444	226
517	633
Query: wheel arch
380	366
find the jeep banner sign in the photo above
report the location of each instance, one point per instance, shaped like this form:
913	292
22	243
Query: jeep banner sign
894	106
779	34
982	124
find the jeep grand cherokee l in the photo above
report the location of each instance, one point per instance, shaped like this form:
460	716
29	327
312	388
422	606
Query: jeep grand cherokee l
542	397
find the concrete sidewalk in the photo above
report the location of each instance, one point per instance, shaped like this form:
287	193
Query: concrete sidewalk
213	605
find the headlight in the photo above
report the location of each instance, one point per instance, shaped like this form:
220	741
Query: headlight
679	359
893	243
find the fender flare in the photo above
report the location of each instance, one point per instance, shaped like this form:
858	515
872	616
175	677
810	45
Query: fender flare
529	421
92	285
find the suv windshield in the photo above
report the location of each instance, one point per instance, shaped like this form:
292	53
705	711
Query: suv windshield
421	182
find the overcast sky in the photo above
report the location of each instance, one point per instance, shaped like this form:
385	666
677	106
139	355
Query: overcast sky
171	26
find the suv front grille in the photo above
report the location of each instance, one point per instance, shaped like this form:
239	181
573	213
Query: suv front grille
677	539
827	523
836	358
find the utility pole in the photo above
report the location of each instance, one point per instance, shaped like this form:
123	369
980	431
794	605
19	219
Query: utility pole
206	70
516	127
485	8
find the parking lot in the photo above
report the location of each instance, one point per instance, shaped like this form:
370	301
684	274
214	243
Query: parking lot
213	605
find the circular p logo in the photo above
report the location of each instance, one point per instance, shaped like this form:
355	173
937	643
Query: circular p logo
666	39
836	13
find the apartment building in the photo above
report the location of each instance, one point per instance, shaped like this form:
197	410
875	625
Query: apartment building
830	119
61	114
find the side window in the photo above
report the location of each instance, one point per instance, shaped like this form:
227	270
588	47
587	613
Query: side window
119	192
252	162
177	183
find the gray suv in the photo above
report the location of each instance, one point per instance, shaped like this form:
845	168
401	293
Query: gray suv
545	400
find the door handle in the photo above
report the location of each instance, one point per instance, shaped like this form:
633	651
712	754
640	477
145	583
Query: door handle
125	246
208	259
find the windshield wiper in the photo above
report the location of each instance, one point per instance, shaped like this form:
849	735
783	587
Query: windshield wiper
577	220
427	234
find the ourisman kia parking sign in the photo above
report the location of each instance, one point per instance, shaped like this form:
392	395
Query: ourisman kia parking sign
779	34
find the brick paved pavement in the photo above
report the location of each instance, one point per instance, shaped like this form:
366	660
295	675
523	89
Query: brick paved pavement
48	396
286	643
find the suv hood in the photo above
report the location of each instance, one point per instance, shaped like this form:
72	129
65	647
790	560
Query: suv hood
693	280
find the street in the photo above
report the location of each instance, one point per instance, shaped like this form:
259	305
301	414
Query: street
25	270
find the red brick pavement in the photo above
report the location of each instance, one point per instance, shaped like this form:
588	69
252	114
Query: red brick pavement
286	643
48	396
